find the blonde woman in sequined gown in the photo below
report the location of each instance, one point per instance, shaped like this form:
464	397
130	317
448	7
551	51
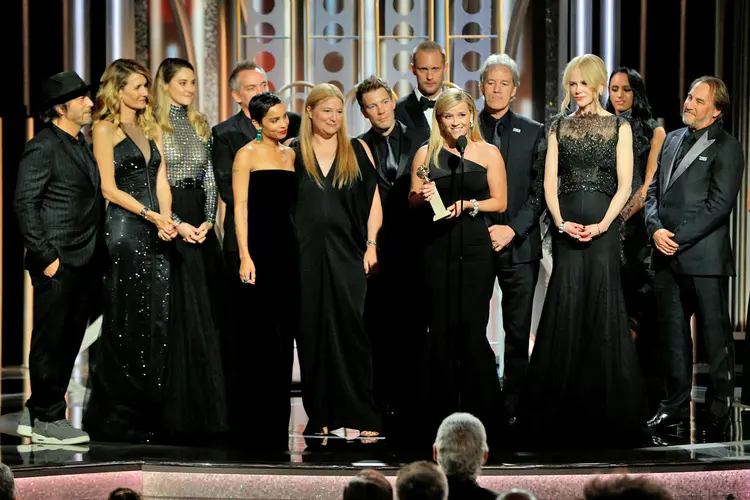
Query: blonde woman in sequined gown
583	385
194	398
126	376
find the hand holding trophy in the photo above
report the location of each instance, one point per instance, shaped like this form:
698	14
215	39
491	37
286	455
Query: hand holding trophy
438	207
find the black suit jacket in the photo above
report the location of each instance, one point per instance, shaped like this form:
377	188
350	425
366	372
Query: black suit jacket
522	149
228	137
694	201
468	489
396	228
58	201
409	112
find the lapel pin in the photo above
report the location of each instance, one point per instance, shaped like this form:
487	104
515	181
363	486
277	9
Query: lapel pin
703	158
517	130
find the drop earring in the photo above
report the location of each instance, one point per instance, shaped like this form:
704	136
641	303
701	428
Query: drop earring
260	135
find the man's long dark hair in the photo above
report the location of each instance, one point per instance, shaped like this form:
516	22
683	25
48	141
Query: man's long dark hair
641	109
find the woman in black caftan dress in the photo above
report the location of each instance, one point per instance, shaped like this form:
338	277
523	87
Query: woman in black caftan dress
337	218
126	376
583	386
457	264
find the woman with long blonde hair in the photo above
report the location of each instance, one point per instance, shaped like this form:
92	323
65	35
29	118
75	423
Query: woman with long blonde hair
457	259
337	218
583	381
127	372
195	401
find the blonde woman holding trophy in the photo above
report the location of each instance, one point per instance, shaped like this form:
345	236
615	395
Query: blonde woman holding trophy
456	178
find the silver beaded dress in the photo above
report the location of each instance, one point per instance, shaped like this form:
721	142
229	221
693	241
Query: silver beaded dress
126	376
583	384
194	397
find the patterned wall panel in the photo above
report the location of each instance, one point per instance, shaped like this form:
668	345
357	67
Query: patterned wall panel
404	24
265	38
334	49
473	35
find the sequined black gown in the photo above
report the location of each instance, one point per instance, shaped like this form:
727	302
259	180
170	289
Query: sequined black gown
334	350
127	365
458	273
194	399
583	386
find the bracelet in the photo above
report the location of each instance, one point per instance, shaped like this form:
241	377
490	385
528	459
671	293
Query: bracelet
372	243
474	212
143	213
561	227
599	229
176	218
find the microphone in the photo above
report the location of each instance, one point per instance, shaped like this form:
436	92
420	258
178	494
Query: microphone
461	143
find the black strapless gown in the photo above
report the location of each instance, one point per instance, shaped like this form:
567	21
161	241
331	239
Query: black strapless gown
459	276
265	340
126	374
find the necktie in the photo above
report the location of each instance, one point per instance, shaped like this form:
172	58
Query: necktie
391	165
497	134
426	103
687	143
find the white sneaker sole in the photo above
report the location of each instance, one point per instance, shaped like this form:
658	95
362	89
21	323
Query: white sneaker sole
41	439
24	430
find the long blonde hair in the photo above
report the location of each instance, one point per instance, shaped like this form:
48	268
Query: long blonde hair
347	168
167	70
447	100
113	80
594	74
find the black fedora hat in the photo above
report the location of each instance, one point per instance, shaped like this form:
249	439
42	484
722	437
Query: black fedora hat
62	87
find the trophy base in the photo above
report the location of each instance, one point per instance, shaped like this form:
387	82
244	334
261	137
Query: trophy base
441	216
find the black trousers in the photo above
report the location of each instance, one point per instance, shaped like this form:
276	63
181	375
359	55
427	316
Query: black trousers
678	298
517	282
62	309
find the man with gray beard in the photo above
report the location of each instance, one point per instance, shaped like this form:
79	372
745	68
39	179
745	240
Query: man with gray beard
688	209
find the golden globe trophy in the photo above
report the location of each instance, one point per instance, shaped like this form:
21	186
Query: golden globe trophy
438	207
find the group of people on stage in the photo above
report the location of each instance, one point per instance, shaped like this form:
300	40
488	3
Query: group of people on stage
377	255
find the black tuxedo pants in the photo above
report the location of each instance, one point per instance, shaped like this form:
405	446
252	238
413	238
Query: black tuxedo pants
62	309
517	282
678	297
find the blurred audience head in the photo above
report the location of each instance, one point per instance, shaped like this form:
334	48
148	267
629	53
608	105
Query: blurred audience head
124	494
624	488
368	485
516	494
421	481
7	484
461	446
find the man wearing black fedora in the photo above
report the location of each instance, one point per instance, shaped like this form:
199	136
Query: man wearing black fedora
60	209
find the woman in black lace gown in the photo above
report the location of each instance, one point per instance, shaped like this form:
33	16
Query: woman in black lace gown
265	191
194	396
583	384
338	216
457	262
127	366
628	99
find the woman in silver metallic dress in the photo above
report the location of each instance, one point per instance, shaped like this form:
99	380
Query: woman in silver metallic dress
195	403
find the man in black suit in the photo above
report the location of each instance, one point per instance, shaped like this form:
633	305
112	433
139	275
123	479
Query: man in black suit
688	209
461	450
415	110
247	359
60	211
515	233
389	319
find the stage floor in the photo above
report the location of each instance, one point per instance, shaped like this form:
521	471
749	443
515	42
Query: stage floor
318	467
